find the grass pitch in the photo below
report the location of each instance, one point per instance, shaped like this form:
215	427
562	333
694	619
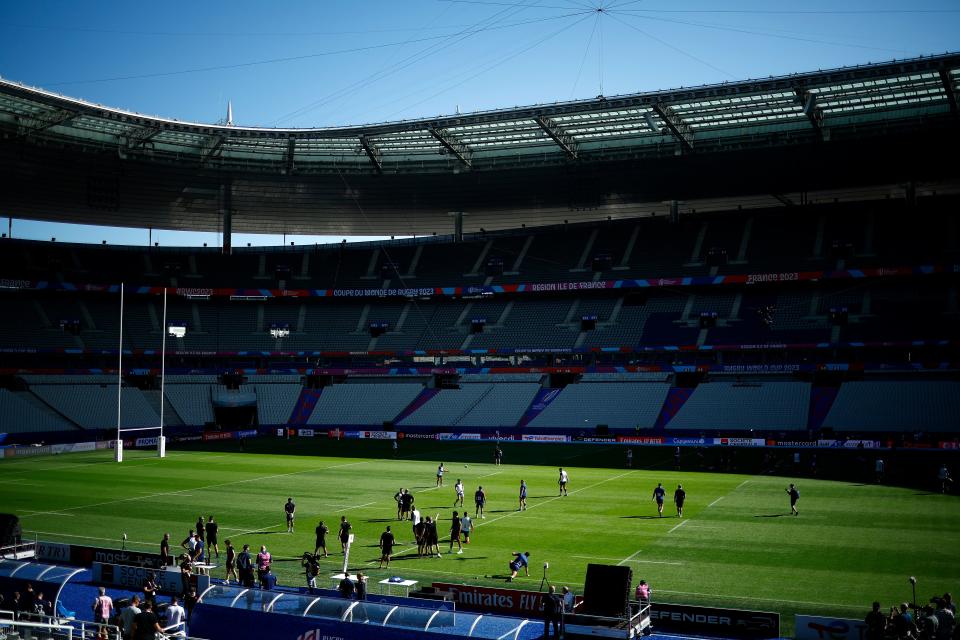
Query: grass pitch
736	545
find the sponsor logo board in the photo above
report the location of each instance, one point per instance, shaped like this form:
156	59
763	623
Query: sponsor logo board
712	621
817	628
53	552
493	599
740	442
379	435
305	433
640	440
417	436
146	442
218	435
543	437
459	436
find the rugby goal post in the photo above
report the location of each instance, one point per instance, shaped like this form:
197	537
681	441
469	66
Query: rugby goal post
161	439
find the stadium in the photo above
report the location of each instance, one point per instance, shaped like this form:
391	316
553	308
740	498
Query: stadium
737	288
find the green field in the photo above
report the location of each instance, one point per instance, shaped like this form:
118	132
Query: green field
735	546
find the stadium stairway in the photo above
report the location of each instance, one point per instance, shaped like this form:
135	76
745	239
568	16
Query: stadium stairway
423	398
676	398
303	409
821	401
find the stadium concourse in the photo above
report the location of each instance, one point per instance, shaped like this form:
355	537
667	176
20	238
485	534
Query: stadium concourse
778	295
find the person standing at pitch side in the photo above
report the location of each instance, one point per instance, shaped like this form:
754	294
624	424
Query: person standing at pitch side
678	497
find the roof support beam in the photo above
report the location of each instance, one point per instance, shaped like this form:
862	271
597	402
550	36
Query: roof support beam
43	121
452	145
813	112
139	136
951	92
373	152
680	129
563	139
212	149
291	153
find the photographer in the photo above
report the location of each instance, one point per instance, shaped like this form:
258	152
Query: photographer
901	621
876	623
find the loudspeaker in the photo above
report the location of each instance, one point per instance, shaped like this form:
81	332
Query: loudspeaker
9	529
606	590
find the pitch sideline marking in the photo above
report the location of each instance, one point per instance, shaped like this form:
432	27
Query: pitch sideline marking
629	560
741	484
715	502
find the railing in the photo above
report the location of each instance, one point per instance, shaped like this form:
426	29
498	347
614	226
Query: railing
634	622
30	630
80	629
18	550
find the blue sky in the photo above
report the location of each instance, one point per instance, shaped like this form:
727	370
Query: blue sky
336	62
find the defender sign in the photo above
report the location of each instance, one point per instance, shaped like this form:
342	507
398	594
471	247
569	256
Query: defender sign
711	621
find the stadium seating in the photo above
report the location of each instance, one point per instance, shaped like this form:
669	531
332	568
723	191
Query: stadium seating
192	402
503	406
896	405
619	405
275	402
369	404
95	406
449	406
22	414
742	406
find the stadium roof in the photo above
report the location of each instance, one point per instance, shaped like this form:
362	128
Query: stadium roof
810	105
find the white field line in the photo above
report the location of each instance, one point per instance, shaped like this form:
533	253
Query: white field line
48	513
538	504
715	502
678	526
491	474
71	535
628	560
741	484
630	557
201	488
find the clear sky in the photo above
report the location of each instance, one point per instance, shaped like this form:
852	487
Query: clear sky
301	63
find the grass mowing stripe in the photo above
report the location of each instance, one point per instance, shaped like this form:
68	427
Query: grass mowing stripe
209	486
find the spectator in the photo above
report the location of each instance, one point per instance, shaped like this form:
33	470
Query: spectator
552	613
16	605
127	616
876	623
212	530
902	622
150	589
267	579
311	568
643	592
186	571
42	606
361	586
145	625
948	603
165	550
175	618
263	561
102	607
198	551
189	543
568	600
190	601
245	567
928	624
29	595
946	621
346	587
231	562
